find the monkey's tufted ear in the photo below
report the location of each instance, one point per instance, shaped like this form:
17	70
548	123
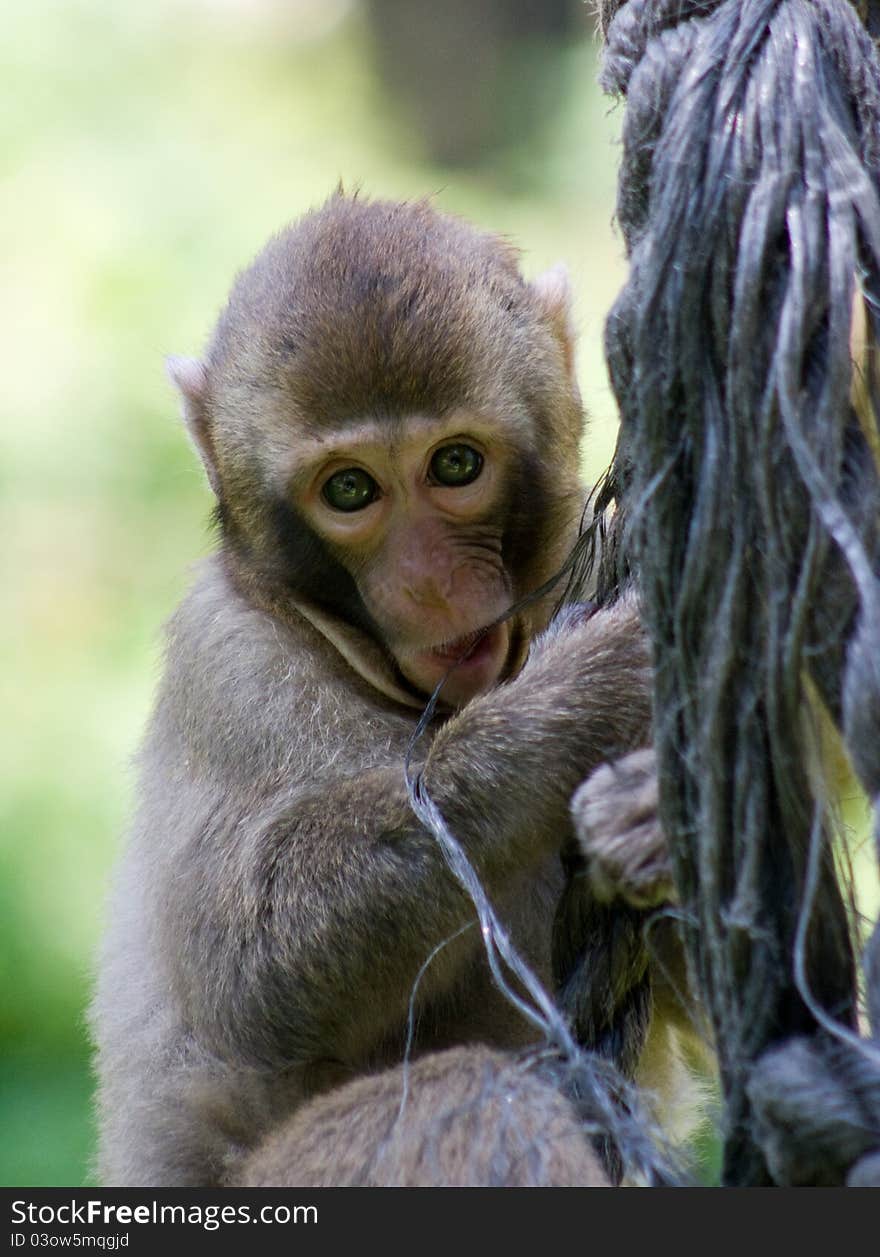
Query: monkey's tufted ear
190	378
553	292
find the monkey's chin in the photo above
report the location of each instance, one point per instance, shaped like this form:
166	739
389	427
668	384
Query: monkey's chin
473	666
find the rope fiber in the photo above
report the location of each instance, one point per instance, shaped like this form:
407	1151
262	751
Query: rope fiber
747	488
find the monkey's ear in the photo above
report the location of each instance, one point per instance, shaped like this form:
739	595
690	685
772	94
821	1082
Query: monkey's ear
553	291
190	378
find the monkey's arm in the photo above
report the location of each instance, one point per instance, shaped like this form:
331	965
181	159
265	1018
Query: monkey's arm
504	770
302	913
618	830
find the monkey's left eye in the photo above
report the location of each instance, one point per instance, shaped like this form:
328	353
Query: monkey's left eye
456	465
350	490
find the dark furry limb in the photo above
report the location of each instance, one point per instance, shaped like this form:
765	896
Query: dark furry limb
594	1034
748	489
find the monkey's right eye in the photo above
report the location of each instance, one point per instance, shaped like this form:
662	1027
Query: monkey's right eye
350	490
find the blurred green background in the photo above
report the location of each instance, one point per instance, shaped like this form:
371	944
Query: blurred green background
147	152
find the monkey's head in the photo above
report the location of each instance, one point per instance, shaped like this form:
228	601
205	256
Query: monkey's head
389	419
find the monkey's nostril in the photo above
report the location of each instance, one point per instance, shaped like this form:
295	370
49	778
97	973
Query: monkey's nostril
426	595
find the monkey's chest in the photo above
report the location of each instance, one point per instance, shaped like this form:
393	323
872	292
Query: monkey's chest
476	1011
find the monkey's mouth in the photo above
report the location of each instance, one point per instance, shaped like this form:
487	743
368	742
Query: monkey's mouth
467	665
460	648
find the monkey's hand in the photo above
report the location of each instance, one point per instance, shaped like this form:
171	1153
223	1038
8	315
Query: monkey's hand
616	823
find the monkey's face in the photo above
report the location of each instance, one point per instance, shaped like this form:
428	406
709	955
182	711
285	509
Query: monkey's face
418	520
390	420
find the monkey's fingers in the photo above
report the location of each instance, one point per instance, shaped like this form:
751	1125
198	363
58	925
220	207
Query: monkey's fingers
616	823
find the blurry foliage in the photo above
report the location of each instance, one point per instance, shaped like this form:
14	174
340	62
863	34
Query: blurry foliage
477	80
146	152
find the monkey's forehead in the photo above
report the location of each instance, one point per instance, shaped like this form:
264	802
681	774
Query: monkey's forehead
378	354
377	307
304	303
391	438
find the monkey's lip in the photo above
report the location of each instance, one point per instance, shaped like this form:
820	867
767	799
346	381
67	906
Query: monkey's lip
467	646
467	665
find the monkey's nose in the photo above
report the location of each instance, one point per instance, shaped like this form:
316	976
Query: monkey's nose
426	595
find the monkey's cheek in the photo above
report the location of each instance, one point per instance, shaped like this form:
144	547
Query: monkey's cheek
464	678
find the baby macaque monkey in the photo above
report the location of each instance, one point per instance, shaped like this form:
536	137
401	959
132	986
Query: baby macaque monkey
388	417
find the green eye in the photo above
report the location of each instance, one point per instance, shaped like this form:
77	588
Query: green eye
350	490
456	465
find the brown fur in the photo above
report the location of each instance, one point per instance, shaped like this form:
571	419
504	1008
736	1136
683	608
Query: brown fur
277	899
467	1117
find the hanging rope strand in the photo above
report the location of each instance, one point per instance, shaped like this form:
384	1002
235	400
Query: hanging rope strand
749	506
